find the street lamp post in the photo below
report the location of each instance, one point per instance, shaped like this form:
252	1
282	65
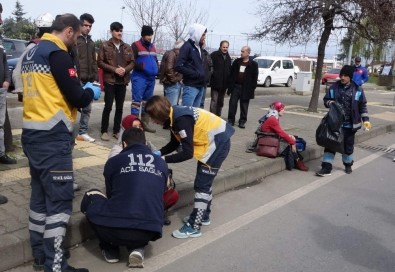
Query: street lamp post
122	8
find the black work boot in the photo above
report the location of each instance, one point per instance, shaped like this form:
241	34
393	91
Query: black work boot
326	169
348	168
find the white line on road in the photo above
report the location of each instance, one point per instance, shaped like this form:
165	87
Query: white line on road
157	262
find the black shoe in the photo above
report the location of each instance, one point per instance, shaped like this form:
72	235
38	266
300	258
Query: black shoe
231	123
111	255
72	269
7	160
166	221
323	172
348	169
242	126
38	264
3	199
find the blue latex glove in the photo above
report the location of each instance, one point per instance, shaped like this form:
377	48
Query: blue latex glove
95	88
157	153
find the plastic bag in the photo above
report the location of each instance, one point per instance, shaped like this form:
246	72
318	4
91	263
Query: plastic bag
335	117
333	140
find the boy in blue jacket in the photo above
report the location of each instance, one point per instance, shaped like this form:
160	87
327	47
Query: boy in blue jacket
131	213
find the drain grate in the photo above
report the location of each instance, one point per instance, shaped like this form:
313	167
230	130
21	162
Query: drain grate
377	148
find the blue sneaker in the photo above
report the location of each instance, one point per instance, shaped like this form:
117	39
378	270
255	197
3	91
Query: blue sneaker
186	231
205	222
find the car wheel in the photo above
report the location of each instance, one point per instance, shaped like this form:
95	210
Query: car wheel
289	82
268	82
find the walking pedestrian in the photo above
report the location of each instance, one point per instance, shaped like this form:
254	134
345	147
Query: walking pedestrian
52	94
360	75
351	98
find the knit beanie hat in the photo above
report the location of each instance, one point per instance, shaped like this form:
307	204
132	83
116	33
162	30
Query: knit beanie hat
146	31
347	70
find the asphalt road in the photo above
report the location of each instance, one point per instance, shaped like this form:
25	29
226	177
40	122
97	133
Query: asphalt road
291	221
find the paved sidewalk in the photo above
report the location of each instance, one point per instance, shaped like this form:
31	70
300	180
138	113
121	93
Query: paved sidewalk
239	169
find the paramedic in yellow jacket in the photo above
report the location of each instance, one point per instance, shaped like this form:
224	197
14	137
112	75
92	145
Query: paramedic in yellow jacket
202	135
52	93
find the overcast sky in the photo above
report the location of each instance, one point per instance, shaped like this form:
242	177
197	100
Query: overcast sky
228	19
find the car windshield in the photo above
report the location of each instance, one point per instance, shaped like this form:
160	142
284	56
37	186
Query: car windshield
334	71
264	63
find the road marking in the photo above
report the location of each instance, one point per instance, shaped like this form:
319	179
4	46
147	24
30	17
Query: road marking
191	245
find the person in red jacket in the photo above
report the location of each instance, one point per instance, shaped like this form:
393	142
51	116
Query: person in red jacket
272	125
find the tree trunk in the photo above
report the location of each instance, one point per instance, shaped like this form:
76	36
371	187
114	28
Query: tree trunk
328	19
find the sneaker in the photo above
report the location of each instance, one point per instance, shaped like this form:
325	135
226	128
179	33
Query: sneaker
72	269
3	199
85	137
186	231
348	169
136	259
323	172
115	135
110	255
393	160
5	159
242	125
104	136
38	264
231	123
205	222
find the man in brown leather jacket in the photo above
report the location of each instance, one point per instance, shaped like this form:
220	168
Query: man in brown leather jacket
117	60
171	79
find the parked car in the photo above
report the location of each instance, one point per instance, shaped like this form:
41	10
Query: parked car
275	70
330	76
14	49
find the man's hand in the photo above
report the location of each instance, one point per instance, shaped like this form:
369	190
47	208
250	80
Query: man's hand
96	90
120	71
6	84
293	148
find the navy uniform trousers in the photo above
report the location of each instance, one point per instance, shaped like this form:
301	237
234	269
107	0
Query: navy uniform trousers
51	170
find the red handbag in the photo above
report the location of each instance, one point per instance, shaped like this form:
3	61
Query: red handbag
268	146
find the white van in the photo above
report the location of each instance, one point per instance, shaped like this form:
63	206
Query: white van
275	70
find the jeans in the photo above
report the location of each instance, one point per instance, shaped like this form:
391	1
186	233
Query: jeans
234	98
84	120
192	96
217	101
172	92
111	92
203	98
3	105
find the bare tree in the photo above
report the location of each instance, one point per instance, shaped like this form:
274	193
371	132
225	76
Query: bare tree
150	12
184	14
301	21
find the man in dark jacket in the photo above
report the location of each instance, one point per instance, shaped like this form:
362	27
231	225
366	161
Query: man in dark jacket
131	213
116	59
191	65
242	84
352	99
87	70
220	77
171	79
